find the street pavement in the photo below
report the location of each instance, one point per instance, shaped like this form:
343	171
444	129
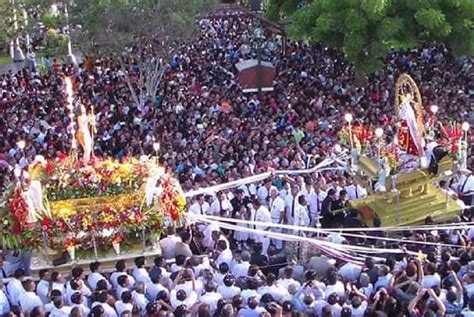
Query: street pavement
16	67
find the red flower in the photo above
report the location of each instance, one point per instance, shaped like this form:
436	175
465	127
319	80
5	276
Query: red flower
16	229
49	167
62	156
18	209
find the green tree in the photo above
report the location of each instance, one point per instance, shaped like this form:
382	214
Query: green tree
139	33
365	30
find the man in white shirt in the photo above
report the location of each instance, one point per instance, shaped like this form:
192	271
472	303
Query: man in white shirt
179	297
301	215
384	277
123	284
261	214
252	309
225	254
210	296
168	244
358	306
4	303
139	273
29	299
60	310
125	304
153	288
277	210
300	181
57	280
277	292
241	263
15	289
121	268
77	274
354	190
250	290
5	267
221	204
315	200
291	202
102	301
139	297
288	279
200	206
78	300
95	276
228	290
44	286
263	192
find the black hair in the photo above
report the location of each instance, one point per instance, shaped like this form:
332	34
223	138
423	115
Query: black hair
42	273
140	261
19	273
180	259
77	272
121	280
120	265
76	297
223	268
101	285
97	311
54	276
94	266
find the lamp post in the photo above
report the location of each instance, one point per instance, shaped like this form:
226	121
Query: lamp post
156	148
379	134
463	146
348	117
433	109
19	172
259	36
18	55
465	127
70	55
21	145
260	45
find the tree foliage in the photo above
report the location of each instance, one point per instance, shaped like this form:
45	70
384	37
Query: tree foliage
365	30
141	35
110	25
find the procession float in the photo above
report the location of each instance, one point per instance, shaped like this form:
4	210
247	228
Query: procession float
402	171
69	209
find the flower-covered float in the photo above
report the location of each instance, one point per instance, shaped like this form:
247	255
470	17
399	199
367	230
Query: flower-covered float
402	164
65	205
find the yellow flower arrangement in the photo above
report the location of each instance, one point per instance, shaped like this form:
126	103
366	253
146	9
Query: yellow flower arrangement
65	212
125	170
181	202
116	178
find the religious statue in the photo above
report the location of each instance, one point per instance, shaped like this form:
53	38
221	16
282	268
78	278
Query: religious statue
85	132
409	136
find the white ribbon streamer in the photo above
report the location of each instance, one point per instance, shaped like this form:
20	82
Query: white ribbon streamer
322	166
222	222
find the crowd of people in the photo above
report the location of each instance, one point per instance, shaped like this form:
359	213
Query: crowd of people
216	281
210	132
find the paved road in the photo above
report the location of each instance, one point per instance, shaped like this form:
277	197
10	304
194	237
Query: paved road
15	67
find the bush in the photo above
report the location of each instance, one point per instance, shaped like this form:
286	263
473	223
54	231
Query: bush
56	43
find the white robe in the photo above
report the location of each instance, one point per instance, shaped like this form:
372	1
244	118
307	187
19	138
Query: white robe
408	114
